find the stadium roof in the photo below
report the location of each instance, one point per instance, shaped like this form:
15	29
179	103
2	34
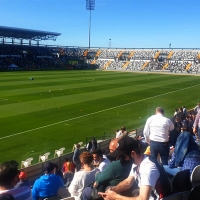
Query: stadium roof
26	34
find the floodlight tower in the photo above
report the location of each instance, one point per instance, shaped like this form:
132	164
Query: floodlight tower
90	5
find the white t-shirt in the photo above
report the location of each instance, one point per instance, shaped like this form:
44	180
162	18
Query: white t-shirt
147	175
157	128
119	133
81	180
103	164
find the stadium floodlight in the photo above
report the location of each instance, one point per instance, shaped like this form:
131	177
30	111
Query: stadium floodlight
109	43
90	5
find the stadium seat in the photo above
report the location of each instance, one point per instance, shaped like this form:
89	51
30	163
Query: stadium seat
80	143
44	157
59	152
176	196
68	198
195	176
181	182
195	193
26	163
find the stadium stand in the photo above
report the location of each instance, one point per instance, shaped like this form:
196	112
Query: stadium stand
38	57
30	57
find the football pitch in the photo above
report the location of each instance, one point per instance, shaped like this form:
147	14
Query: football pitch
60	108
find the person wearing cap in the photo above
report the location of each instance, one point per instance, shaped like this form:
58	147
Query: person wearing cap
156	133
186	153
48	184
146	171
22	180
115	172
9	176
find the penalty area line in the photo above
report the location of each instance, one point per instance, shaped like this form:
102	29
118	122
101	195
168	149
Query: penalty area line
86	115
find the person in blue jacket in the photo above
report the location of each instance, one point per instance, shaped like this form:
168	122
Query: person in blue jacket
48	184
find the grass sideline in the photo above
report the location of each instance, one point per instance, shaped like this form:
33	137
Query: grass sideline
60	108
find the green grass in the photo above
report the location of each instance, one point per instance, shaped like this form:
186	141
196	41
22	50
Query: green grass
34	121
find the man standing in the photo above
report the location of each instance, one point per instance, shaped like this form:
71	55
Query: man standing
121	132
156	133
197	108
196	125
75	157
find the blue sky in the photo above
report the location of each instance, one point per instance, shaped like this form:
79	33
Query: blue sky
128	23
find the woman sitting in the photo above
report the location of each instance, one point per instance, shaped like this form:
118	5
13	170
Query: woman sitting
85	176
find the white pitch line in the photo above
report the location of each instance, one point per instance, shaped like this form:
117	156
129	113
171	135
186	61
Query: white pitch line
67	120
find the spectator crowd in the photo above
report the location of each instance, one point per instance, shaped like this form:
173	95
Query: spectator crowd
137	168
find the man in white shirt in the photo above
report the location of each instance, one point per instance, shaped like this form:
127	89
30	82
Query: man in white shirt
121	132
156	133
101	160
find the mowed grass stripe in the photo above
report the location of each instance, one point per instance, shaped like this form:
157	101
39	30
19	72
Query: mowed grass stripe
52	138
42	88
32	106
70	91
62	112
66	134
66	81
41	78
74	113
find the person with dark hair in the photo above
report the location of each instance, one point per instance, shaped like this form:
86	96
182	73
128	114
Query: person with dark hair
186	153
173	135
83	177
146	172
75	157
115	172
48	184
92	145
8	179
98	158
156	133
180	115
58	172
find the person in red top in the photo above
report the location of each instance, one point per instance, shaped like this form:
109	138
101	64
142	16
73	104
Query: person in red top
68	166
